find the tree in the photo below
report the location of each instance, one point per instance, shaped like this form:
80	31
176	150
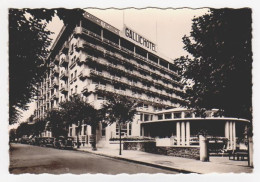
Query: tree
219	73
24	129
119	110
28	48
28	43
39	126
56	123
12	135
76	111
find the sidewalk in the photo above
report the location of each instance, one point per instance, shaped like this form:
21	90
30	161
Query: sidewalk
183	165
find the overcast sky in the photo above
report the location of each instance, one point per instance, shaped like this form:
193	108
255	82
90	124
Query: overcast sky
164	27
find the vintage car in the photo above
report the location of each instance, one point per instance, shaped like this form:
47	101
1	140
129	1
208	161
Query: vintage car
47	142
64	142
25	139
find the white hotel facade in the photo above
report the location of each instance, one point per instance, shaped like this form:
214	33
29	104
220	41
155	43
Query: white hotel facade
96	60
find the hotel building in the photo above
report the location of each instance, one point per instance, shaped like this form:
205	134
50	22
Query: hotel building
96	60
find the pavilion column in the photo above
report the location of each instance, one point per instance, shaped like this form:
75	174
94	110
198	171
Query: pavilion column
178	132
142	128
182	133
231	135
227	134
188	133
234	135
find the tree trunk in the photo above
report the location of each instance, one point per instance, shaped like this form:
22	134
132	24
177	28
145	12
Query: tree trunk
78	137
120	149
93	128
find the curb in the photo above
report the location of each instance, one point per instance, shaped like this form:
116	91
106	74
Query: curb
142	162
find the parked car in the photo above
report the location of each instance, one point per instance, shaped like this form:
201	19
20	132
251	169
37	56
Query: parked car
37	140
64	142
47	142
25	139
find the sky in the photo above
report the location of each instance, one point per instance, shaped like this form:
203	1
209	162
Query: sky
164	27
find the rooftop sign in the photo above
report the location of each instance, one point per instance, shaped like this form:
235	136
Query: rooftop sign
101	23
139	39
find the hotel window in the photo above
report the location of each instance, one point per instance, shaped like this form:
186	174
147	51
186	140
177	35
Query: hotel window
103	130
160	116
75	74
123	129
71	91
177	115
123	88
146	117
187	115
116	87
100	97
130	128
168	116
94	81
145	106
98	69
85	130
76	88
71	76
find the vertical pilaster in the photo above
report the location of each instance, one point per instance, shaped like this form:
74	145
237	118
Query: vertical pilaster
187	133
178	132
234	135
231	135
227	134
182	133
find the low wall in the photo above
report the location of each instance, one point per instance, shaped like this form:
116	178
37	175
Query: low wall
192	152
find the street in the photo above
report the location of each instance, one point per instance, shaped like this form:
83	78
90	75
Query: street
34	159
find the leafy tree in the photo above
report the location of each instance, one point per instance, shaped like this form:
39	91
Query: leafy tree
24	129
28	43
12	135
119	110
75	111
39	126
56	123
28	48
219	73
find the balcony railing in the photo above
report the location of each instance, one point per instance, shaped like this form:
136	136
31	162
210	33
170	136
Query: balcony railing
64	89
55	96
123	50
64	75
65	47
84	74
64	61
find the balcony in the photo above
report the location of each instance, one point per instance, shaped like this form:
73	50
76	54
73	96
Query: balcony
65	47
73	63
91	34
55	71
64	75
64	89
81	60
89	89
55	96
55	84
64	60
84	74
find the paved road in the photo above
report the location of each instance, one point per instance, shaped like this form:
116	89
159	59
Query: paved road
33	159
